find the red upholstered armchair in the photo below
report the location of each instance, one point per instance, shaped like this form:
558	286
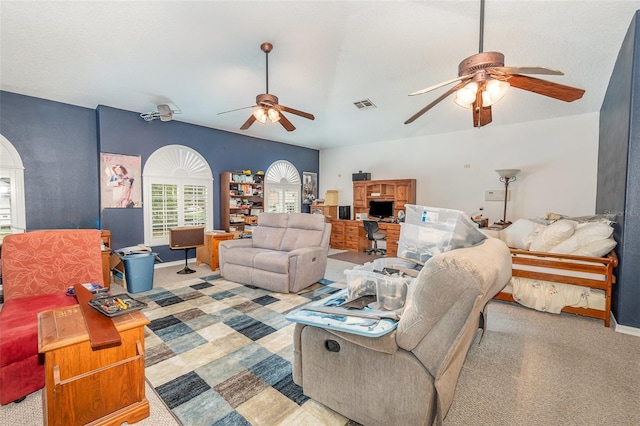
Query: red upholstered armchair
37	269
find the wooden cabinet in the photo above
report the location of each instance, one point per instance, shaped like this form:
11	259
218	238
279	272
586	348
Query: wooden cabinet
241	195
209	252
337	240
393	237
360	196
84	385
353	238
400	191
330	211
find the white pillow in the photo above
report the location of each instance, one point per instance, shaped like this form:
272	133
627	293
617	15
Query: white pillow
516	235
597	248
584	235
552	235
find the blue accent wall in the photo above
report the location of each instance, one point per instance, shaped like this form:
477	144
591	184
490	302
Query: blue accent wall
619	173
60	147
57	144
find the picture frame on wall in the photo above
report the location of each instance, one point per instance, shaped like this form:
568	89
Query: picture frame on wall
120	181
309	187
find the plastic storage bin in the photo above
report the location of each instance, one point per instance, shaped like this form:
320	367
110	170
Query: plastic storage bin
138	271
390	291
428	231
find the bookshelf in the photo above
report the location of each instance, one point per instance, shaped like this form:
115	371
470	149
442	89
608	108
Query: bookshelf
242	198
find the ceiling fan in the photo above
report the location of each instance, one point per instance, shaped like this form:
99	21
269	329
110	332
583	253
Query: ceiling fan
163	112
483	80
267	108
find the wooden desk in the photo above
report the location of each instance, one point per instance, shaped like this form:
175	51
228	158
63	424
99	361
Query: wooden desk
85	385
209	252
350	235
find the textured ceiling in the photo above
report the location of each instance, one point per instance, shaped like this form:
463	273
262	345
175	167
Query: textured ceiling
204	57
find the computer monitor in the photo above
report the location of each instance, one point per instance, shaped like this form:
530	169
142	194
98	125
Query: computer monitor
380	209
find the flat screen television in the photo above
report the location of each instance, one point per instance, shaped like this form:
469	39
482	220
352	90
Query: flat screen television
380	209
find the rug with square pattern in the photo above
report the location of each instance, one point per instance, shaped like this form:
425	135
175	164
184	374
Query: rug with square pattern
220	353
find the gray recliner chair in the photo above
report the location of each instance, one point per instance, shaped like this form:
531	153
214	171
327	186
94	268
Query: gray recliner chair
408	376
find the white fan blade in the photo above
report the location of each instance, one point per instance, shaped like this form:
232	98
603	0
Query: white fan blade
444	83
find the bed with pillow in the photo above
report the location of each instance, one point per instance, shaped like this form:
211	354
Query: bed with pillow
562	266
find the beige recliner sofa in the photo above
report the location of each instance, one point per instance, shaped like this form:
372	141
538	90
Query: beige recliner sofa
287	252
408	376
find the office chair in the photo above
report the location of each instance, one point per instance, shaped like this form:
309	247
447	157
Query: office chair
184	238
371	228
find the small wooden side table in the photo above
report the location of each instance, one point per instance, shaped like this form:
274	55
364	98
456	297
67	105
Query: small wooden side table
85	385
209	252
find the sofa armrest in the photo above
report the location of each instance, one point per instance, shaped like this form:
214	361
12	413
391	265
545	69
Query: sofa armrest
307	252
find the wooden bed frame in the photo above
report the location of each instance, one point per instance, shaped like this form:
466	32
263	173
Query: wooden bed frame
561	264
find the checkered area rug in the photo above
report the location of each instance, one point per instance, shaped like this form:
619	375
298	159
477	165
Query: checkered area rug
220	353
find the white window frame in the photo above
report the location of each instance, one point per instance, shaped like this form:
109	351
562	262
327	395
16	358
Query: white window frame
175	165
11	167
282	177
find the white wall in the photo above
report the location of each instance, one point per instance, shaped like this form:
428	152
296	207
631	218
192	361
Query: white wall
557	158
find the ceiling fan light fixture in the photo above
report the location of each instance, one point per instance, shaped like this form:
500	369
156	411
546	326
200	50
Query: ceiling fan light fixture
494	90
274	115
466	95
261	115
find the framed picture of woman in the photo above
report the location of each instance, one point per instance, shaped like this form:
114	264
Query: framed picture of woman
120	181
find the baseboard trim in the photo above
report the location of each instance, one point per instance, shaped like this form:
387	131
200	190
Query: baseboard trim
624	329
174	263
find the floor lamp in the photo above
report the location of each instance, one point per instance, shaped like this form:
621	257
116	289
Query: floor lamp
506	176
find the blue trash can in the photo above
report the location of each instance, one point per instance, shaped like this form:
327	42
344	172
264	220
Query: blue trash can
138	271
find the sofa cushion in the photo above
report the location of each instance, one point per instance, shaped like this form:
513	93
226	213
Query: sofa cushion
19	323
273	261
243	255
49	261
303	230
271	227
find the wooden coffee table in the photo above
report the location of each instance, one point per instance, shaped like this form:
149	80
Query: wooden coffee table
85	385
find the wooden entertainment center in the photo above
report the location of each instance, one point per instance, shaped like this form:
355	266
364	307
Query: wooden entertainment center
350	234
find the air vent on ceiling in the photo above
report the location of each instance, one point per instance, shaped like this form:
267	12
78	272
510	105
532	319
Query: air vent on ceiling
364	104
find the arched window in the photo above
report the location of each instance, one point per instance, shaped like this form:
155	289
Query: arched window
282	186
12	205
177	190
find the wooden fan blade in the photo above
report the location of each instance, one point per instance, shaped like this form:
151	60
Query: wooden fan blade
432	104
248	123
296	112
444	83
546	88
237	109
524	70
481	115
286	123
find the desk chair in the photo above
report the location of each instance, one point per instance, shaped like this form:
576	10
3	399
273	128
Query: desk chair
186	237
371	228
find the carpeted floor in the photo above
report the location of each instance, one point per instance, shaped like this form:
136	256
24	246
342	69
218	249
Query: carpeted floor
355	257
232	350
220	353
